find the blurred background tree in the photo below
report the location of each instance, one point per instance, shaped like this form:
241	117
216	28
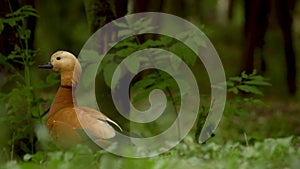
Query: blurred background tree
257	15
69	25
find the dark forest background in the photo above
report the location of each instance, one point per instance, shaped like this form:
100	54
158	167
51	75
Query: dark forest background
252	34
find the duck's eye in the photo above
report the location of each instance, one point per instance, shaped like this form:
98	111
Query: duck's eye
58	58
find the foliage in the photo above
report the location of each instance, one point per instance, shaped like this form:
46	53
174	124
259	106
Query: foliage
247	83
14	19
147	80
21	106
270	153
138	43
245	89
244	105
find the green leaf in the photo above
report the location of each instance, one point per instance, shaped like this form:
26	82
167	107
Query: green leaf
230	83
235	79
88	78
89	56
253	73
249	89
199	41
258	78
151	43
166	40
132	64
244	75
11	21
120	24
184	53
108	72
145	82
125	52
142	24
125	32
110	161
24	11
126	43
233	90
143	94
146	29
257	83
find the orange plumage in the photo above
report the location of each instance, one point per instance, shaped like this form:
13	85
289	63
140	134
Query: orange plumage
62	122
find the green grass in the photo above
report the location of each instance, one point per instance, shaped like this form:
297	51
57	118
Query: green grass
269	153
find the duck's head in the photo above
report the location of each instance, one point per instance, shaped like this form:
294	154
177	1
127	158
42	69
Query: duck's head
67	65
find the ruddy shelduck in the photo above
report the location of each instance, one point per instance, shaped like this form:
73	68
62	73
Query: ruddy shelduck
62	122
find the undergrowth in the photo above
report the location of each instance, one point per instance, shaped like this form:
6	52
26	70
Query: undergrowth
268	154
21	107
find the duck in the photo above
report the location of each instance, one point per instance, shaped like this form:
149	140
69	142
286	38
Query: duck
62	122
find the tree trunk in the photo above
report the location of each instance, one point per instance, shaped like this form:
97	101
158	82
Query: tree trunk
284	10
99	13
256	22
177	8
148	6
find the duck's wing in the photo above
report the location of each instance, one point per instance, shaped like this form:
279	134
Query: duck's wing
96	123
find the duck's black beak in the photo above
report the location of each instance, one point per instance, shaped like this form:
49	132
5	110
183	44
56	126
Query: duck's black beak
46	66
